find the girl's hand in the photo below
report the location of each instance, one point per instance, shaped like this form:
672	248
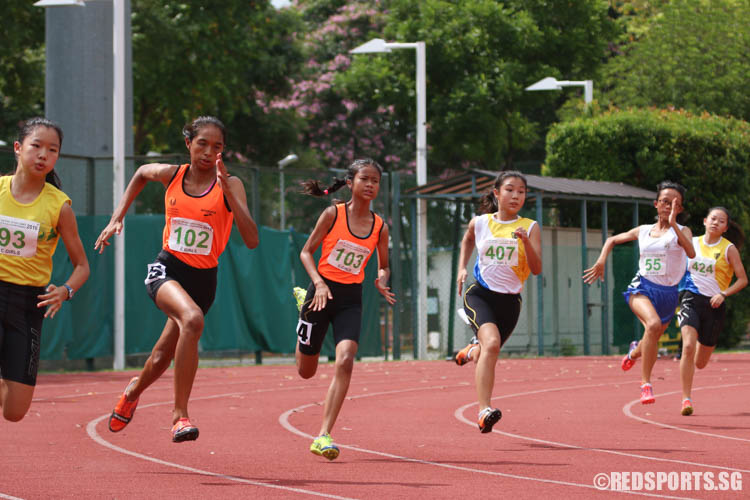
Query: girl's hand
385	291
674	212
114	227
521	234
222	174
717	300
593	273
460	280
54	298
321	298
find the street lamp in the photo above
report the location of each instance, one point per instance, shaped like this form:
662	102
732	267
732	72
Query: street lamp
290	158
378	45
118	158
550	83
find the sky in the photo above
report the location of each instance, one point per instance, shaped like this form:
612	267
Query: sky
280	3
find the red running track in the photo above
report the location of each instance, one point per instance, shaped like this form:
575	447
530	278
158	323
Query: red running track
407	430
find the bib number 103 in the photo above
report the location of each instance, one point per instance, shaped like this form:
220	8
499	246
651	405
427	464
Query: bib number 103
348	256
190	236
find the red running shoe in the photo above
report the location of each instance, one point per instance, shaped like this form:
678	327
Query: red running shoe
687	407
628	363
487	418
183	430
464	355
647	394
124	410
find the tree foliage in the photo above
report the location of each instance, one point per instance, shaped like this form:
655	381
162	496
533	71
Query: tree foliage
21	66
691	55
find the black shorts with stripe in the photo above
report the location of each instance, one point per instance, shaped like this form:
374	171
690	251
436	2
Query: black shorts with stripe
696	311
20	332
200	284
485	306
343	312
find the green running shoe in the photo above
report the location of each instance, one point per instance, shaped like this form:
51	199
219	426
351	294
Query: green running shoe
300	294
323	446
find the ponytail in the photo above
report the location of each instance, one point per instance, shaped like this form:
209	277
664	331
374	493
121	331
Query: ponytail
313	188
53	179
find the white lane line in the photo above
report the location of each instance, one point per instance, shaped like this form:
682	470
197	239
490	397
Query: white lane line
284	421
627	410
91	430
459	415
9	497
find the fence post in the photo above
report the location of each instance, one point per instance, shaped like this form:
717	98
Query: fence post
540	281
395	262
605	286
454	277
585	288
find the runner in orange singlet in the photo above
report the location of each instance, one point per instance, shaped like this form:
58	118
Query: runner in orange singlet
201	202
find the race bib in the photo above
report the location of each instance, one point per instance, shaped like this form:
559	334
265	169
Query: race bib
348	256
653	264
304	329
18	236
190	236
499	252
703	266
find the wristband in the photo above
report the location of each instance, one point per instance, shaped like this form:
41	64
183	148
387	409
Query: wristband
70	290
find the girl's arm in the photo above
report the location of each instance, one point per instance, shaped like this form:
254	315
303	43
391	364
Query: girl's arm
684	236
157	172
68	229
237	199
533	245
733	256
384	272
322	292
467	247
597	270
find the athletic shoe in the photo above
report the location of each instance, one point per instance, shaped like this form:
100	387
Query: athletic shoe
487	418
647	394
183	430
464	355
299	294
323	446
124	410
628	363
687	407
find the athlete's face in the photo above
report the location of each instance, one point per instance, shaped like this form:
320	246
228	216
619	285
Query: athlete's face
366	183
716	222
207	143
511	195
664	201
39	151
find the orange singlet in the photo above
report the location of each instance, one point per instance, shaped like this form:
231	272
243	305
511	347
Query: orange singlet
345	255
197	228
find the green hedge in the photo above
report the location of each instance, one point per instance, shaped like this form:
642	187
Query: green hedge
709	155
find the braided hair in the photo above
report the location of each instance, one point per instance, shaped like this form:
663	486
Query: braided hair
313	187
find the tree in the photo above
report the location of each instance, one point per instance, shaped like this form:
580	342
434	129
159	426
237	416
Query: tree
21	66
210	57
693	55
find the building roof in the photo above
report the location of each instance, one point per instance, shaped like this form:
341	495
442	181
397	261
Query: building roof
472	183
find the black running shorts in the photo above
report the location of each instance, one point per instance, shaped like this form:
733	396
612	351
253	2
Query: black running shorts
344	312
485	306
696	311
20	332
200	284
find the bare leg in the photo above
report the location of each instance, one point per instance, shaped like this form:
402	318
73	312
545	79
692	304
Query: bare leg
307	364
702	355
15	398
158	362
648	347
687	361
489	340
183	311
346	350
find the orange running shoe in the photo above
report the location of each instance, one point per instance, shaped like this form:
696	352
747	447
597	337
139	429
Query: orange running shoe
124	410
183	430
687	407
487	418
464	355
647	394
628	363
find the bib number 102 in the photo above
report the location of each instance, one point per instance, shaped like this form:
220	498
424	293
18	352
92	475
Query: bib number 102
191	237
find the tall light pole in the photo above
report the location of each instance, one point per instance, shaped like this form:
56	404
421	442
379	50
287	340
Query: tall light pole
119	45
378	45
551	83
290	158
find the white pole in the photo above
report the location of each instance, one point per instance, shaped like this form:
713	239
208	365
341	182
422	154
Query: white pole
588	91
281	196
421	203
118	172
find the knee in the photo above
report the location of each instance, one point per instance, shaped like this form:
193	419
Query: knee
345	363
192	323
12	415
688	349
654	328
306	371
701	364
491	347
